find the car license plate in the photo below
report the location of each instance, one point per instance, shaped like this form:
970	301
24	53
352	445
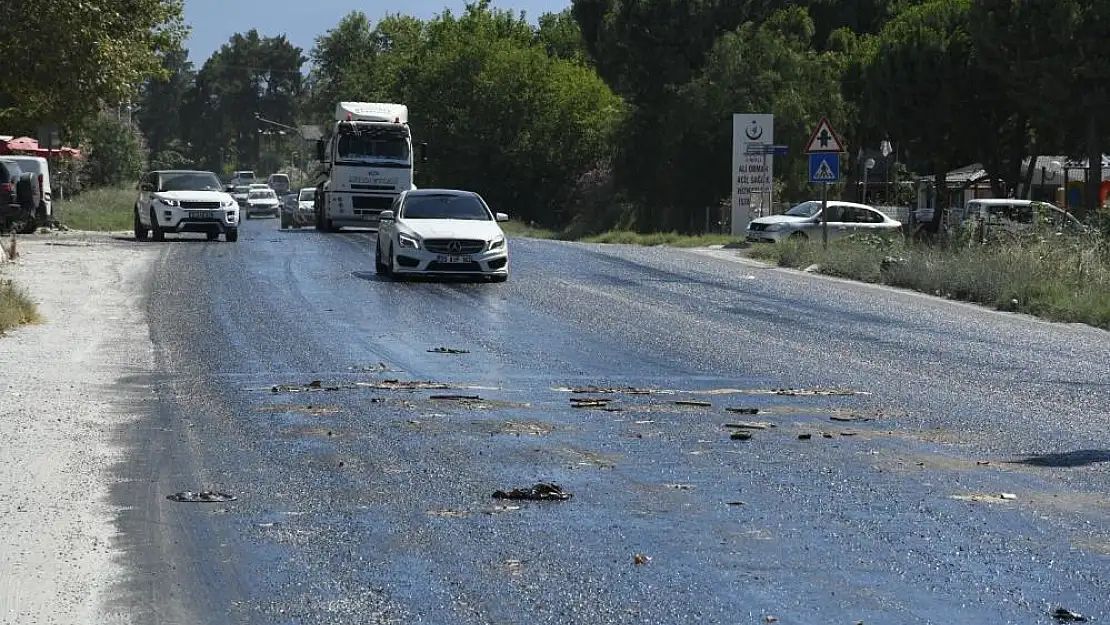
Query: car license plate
200	214
453	259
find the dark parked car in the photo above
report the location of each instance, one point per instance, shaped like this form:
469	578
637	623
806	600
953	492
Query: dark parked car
20	196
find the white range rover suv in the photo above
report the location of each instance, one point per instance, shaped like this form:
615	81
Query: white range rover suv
185	201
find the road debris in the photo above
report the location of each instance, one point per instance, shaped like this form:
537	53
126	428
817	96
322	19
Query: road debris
204	496
315	385
640	559
381	367
794	392
743	410
769	619
681	486
601	390
804	437
693	402
850	418
741	436
1067	616
542	491
735	503
826	435
590	402
750	425
456	397
986	498
448	350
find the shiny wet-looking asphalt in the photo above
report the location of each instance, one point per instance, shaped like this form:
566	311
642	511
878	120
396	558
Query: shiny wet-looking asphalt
364	500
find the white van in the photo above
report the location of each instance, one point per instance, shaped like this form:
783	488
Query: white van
37	165
1012	215
279	183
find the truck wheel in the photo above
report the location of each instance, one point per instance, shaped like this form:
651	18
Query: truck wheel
155	230
140	230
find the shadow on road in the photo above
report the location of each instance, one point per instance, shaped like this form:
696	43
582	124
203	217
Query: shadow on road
1080	458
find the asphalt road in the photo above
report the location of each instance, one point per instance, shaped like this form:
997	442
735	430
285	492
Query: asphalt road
363	500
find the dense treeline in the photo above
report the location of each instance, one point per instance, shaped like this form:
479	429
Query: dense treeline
618	112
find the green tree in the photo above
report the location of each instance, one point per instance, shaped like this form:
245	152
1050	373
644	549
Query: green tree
161	98
560	35
63	58
917	85
502	116
249	76
770	66
113	156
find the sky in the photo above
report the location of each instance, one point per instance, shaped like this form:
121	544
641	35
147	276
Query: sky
213	22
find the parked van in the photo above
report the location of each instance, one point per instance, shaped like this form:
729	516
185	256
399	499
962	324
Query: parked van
1009	215
38	166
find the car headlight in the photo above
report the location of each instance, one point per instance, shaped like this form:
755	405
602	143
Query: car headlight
169	202
405	240
775	227
227	203
497	243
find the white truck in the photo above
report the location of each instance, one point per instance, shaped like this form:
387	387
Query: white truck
367	161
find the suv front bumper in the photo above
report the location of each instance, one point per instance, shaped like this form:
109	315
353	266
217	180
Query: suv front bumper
174	219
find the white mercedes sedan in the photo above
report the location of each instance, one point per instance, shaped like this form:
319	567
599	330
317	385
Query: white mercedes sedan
442	232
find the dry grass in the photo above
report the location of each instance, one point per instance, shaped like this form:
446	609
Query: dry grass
1060	278
15	307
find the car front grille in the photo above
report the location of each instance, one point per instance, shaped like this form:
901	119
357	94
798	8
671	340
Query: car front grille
459	267
447	246
757	227
196	204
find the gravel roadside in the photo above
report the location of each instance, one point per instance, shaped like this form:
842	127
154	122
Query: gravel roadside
61	402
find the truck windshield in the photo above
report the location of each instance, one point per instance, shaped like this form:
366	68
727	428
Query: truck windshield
366	146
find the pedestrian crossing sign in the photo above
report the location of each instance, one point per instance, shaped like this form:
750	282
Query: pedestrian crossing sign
824	167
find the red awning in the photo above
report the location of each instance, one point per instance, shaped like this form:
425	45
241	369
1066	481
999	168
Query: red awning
30	147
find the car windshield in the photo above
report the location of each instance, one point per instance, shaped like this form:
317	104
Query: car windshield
307	195
445	206
261	195
189	181
805	209
371	146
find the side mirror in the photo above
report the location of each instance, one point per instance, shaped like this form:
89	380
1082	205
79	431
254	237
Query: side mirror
321	149
422	152
385	216
502	217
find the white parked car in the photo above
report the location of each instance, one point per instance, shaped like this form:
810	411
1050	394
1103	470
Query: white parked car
262	202
185	201
38	166
804	221
442	232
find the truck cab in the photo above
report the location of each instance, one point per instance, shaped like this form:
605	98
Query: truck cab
368	160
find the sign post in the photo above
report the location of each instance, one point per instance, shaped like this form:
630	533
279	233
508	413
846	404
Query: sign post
752	164
824	149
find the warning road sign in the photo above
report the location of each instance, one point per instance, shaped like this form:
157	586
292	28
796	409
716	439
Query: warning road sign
824	139
824	167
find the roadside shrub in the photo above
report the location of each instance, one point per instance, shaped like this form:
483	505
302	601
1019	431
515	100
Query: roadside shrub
15	307
1058	277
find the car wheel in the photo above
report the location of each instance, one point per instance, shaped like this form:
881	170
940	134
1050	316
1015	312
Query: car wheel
212	236
798	236
231	236
156	231
140	230
389	264
379	266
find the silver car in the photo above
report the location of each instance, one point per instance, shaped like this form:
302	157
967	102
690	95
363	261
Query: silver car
299	209
804	221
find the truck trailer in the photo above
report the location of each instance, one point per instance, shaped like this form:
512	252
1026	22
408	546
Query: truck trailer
366	162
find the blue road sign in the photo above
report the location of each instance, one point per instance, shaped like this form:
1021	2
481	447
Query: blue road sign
779	150
824	167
